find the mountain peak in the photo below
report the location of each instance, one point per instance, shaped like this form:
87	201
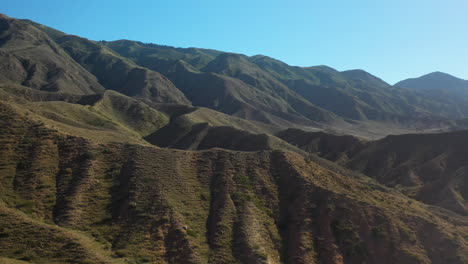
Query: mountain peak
435	81
439	74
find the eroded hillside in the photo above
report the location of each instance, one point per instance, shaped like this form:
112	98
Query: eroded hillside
118	202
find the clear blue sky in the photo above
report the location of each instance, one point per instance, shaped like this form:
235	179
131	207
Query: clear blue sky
393	39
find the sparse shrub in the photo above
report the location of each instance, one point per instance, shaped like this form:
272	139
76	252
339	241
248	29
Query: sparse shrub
413	256
28	256
88	155
204	196
121	253
192	233
348	238
144	259
25	206
407	234
243	181
99	123
241	197
18	252
357	250
379	232
262	205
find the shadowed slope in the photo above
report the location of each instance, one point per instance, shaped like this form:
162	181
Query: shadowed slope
121	74
301	93
182	135
203	128
328	146
430	168
235	97
238	66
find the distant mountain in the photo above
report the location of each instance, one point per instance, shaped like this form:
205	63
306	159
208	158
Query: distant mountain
444	89
437	81
303	93
256	88
221	83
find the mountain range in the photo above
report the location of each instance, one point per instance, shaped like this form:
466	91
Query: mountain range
130	152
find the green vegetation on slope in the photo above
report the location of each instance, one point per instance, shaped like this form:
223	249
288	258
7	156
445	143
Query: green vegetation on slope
144	204
108	117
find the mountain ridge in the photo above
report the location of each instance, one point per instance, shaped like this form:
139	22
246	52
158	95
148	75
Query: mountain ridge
302	94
